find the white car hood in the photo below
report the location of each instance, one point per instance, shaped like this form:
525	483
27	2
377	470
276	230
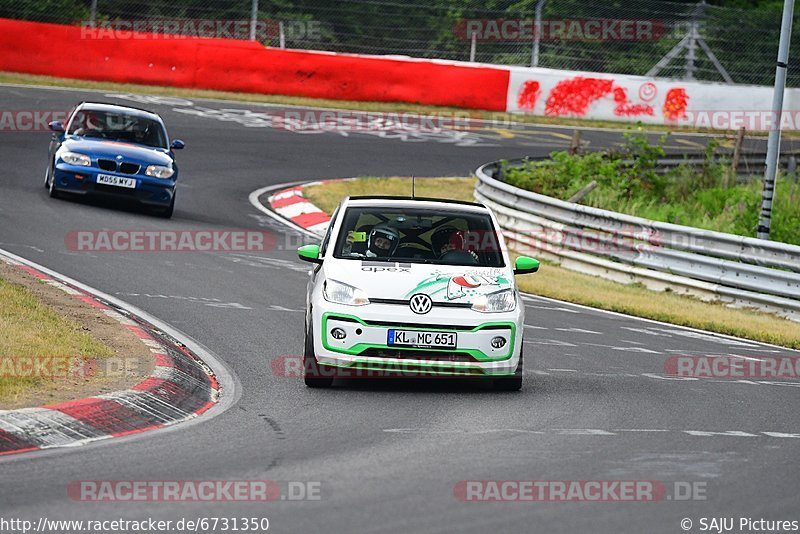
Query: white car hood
443	283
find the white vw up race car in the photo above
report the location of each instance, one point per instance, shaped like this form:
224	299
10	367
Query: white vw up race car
413	287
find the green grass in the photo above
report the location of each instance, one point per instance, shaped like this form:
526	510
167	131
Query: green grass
562	284
327	196
31	329
711	199
733	210
500	117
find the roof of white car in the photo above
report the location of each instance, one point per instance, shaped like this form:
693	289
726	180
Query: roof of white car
417	202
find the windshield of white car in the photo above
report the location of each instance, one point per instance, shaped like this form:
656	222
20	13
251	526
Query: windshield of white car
114	126
419	235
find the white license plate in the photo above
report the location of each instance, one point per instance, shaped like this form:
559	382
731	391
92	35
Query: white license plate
119	181
422	339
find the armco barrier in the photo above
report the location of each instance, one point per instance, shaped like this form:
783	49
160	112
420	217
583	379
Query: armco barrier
233	65
739	270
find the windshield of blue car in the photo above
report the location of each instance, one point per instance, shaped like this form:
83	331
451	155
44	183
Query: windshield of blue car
115	126
419	235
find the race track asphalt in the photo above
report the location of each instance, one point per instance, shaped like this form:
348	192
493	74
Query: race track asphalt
387	454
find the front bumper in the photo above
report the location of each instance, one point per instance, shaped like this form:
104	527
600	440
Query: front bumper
365	345
83	181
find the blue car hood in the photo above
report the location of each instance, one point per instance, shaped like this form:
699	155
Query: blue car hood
112	149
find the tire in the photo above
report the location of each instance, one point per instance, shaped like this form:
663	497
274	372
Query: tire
510	383
50	183
312	374
166	213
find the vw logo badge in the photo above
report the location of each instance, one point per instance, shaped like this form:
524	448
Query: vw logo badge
420	303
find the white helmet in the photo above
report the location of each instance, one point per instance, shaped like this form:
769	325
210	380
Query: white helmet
381	235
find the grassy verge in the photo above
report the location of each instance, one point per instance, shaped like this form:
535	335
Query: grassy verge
327	196
30	329
563	284
707	198
500	118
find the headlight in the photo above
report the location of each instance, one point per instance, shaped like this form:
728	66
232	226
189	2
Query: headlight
73	158
501	301
159	171
340	293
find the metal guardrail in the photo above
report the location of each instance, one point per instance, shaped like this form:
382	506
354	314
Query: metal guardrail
739	270
752	164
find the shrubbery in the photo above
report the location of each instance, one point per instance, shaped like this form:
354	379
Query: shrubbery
627	182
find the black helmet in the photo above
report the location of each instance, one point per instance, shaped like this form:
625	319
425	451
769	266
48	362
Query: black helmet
444	235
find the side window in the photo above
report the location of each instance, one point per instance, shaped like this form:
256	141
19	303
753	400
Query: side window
327	237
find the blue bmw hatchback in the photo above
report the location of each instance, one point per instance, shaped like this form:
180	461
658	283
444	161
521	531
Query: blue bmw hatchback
119	151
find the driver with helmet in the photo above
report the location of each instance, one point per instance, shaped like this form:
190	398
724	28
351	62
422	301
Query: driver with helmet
447	239
141	132
382	241
89	124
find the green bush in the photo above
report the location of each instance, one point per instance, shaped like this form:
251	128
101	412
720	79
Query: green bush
627	182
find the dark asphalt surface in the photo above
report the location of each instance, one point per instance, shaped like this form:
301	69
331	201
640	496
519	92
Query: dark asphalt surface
388	454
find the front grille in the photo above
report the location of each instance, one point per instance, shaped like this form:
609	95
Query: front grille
424	326
103	188
405	302
107	164
431	355
128	168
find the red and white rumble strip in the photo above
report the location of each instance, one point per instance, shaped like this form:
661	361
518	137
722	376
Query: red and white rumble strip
181	387
291	204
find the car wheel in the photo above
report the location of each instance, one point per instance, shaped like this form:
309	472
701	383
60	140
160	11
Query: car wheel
167	212
510	383
50	182
312	373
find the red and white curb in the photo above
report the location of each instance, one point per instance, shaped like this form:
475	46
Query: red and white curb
181	387
292	205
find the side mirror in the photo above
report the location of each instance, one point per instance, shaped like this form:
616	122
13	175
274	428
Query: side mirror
309	253
177	144
525	265
56	126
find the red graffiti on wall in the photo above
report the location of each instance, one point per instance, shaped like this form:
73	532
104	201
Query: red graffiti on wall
675	104
573	98
625	108
528	95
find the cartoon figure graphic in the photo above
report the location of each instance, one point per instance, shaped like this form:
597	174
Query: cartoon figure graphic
457	286
468	286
